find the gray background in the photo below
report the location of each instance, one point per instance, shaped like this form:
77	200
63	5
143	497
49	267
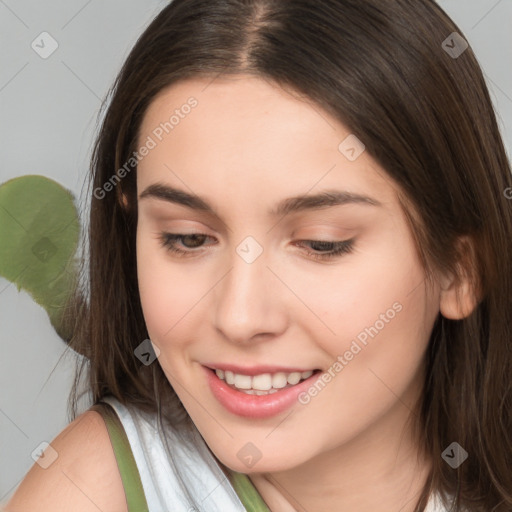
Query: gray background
48	110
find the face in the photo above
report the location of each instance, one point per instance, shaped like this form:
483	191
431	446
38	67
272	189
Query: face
269	295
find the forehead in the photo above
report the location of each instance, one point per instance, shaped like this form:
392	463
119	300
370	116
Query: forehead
252	136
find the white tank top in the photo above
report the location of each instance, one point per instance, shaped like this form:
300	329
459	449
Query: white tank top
200	485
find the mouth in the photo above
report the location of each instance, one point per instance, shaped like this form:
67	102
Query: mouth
263	383
259	395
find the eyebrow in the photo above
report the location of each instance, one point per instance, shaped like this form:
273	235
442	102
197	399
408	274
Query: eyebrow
324	199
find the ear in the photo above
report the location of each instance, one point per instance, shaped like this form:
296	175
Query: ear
460	294
122	199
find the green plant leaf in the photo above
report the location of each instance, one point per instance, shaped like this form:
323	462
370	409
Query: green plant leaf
39	229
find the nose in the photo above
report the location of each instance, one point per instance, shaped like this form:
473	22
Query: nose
249	302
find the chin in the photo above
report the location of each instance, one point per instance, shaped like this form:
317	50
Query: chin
279	461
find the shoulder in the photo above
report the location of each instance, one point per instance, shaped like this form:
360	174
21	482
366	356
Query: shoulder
84	477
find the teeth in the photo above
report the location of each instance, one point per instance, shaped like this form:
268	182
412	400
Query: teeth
264	383
258	391
294	378
279	380
242	381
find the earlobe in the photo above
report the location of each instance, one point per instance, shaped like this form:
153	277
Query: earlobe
459	295
457	301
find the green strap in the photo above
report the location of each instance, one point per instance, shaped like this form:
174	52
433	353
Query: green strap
248	494
133	490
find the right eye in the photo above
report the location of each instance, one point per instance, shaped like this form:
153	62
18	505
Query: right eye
190	241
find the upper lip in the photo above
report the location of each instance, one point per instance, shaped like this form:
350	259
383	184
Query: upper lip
256	370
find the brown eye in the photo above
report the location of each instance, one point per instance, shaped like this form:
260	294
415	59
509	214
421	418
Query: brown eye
337	248
188	241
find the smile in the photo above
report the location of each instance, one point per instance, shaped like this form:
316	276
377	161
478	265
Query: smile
262	384
241	394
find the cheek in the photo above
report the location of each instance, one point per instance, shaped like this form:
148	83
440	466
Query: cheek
352	297
167	292
378	315
376	360
158	293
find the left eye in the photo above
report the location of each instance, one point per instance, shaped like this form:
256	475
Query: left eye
325	249
337	248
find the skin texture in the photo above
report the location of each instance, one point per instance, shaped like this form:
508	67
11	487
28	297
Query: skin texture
84	477
247	145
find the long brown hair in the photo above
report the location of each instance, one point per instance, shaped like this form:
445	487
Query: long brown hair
381	67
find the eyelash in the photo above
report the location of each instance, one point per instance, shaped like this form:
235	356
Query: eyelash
168	241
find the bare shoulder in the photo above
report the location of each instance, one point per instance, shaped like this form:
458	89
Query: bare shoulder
84	477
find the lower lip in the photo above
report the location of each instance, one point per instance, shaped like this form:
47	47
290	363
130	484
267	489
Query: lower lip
255	406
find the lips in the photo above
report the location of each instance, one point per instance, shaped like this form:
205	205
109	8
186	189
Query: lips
253	406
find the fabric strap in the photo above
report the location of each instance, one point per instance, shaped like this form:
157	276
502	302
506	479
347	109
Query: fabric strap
133	490
132	484
248	494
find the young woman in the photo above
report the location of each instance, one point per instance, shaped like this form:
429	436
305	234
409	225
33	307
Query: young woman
299	289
